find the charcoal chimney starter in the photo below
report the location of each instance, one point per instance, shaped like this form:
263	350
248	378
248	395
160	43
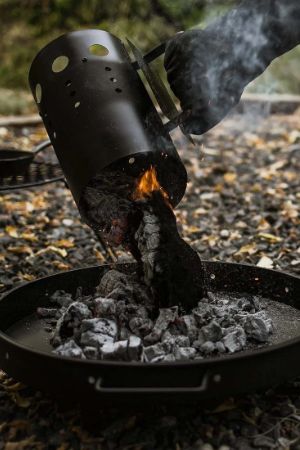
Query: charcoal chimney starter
98	113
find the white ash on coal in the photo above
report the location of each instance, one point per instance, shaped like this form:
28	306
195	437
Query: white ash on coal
128	326
171	268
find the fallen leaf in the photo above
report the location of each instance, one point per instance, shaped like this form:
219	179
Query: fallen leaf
61	266
20	249
230	177
29	237
23	402
64	243
270	237
249	249
11	231
265	262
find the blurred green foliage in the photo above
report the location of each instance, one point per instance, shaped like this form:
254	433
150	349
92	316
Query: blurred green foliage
27	25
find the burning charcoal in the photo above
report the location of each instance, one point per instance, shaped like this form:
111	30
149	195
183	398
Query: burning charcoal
172	270
185	353
203	313
46	312
104	307
154	351
188	326
169	358
62	298
137	311
182	341
70	320
212	332
120	308
249	304
220	347
166	316
97	332
102	326
110	281
70	349
135	348
235	340
124	333
91	339
107	207
91	352
208	347
168	337
115	350
141	327
257	328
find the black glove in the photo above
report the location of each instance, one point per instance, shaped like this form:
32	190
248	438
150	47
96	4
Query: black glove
209	69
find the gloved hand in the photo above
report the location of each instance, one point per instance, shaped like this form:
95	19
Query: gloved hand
205	76
209	69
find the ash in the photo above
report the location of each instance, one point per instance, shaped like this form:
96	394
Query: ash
120	321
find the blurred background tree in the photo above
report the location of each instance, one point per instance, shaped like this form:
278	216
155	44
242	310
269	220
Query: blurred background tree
27	25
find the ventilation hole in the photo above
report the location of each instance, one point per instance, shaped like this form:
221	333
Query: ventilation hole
76	104
68	83
98	50
38	93
108	69
84	59
72	93
54	135
114	80
60	63
118	90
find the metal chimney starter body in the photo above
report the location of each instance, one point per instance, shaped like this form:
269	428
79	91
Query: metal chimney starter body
98	113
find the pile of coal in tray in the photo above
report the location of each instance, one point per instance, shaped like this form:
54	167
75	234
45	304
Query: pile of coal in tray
120	321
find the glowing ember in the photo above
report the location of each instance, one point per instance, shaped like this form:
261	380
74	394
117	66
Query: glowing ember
147	184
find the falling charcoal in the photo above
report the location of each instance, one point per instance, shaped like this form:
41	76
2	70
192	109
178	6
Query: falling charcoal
107	207
146	225
172	269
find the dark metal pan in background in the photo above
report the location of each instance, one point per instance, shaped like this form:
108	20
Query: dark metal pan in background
25	352
14	161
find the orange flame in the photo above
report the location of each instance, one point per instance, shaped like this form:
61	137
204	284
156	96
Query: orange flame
147	184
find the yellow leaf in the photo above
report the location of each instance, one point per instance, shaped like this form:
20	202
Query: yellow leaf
64	243
18	250
249	249
230	177
28	277
99	255
11	231
29	237
263	225
269	237
60	265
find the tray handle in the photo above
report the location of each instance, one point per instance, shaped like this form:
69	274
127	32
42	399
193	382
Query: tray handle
98	386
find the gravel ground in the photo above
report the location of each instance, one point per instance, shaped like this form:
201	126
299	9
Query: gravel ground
242	204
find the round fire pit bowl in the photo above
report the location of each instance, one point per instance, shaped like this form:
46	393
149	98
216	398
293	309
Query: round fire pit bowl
15	162
26	354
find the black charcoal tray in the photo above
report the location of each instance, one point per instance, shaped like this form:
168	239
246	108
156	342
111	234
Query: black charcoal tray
25	352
